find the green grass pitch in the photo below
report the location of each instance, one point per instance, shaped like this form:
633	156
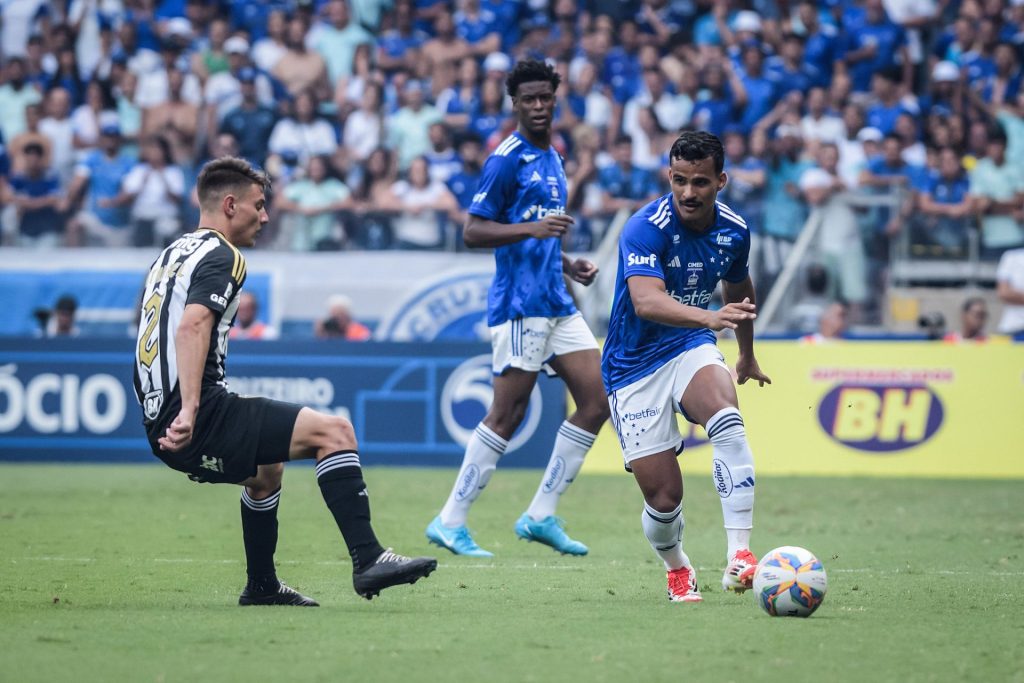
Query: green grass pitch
131	574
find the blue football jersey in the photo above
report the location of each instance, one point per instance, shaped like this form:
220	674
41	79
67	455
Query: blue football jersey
654	243
522	183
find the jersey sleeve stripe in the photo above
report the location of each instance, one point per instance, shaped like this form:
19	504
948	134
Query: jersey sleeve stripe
661	214
730	214
505	148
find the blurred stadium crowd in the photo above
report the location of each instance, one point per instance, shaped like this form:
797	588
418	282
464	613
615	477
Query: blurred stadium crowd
374	117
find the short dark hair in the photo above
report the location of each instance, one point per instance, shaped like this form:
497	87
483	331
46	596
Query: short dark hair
528	71
972	301
66	303
227	175
694	145
996	133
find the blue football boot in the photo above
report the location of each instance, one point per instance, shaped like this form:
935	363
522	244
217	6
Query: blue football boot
549	532
456	539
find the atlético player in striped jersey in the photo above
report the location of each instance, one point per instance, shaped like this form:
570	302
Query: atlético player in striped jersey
197	426
660	356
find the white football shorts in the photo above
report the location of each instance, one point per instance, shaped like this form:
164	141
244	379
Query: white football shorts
644	412
529	343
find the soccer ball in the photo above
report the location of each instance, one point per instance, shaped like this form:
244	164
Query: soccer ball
790	582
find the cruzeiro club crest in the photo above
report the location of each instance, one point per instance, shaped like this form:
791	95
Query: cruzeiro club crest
468	394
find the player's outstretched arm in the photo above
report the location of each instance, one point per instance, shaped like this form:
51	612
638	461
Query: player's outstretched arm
653	303
192	343
746	363
481	233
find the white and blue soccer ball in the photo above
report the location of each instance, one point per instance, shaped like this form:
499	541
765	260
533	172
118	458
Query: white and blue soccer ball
790	582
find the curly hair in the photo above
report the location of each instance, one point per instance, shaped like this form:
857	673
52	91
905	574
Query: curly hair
694	145
529	71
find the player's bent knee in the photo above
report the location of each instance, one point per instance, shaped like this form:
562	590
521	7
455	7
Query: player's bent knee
506	421
665	501
339	434
595	411
267	480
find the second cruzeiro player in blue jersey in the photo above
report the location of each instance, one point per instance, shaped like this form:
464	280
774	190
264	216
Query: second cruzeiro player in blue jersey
660	357
519	211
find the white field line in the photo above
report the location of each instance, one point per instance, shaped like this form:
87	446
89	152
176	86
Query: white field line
495	566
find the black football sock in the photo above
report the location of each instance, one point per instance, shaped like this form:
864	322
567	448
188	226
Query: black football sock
341	483
259	532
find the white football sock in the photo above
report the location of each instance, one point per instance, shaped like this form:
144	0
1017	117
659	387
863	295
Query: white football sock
738	539
732	473
571	446
664	531
482	454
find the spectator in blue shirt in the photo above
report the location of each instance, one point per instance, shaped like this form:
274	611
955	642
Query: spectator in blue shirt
821	44
67	76
251	122
887	107
442	160
955	41
478	26
788	70
744	193
718	99
659	20
1002	86
874	45
399	46
142	17
622	66
943	219
535	41
785	211
99	175
760	90
624	186
889	170
489	115
36	195
511	16
458	102
463	183
888	173
979	61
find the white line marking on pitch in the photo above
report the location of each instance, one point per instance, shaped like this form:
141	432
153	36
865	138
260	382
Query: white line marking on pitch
494	565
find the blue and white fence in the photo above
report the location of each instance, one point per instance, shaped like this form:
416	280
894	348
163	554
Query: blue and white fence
411	403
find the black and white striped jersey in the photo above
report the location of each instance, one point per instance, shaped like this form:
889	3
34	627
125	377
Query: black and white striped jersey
201	267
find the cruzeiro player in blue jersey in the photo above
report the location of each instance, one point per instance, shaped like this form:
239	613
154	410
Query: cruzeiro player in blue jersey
660	357
519	210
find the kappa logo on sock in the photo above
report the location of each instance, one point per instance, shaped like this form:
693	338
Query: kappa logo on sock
467	482
555	474
723	478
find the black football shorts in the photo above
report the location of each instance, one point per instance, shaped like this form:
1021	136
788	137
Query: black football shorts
232	436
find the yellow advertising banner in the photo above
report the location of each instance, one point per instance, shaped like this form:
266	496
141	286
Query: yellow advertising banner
872	408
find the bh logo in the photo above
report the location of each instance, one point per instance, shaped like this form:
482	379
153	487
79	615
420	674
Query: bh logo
468	394
880	418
